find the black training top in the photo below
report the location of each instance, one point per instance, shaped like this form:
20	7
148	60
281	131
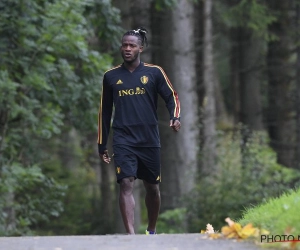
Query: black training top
134	96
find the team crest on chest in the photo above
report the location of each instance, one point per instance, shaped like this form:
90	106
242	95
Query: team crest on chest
144	79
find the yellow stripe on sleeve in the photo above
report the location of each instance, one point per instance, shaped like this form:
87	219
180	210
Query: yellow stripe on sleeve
175	97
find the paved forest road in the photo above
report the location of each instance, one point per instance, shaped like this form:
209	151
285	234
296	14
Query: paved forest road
122	242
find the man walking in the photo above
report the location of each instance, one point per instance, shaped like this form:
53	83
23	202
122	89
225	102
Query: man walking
133	88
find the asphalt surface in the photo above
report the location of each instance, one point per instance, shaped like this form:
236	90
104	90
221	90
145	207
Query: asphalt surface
123	242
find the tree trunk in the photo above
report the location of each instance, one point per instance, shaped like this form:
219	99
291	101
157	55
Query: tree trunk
9	209
3	127
163	56
209	109
174	51
107	199
184	81
8	197
108	204
222	117
67	148
235	73
246	79
198	23
250	80
280	121
297	155
125	7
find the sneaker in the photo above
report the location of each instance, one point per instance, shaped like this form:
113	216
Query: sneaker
150	232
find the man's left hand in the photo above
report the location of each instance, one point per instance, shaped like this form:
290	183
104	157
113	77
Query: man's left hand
175	125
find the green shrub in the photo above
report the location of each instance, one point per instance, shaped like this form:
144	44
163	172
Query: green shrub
277	215
27	197
81	206
248	174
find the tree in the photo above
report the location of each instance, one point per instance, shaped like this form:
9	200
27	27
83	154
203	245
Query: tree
297	21
280	75
174	51
184	74
209	106
247	23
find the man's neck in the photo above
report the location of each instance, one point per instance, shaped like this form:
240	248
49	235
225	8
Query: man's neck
132	66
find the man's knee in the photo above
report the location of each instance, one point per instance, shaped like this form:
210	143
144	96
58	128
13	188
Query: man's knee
153	189
126	184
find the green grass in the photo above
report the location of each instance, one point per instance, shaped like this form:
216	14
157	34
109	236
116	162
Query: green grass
276	215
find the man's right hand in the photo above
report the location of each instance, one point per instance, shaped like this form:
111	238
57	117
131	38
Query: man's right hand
105	157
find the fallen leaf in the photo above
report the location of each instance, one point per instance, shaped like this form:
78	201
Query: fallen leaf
209	229
215	236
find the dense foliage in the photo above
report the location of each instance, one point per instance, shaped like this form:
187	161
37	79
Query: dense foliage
247	177
30	196
49	82
279	214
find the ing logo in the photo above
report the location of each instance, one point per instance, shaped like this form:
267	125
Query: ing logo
144	79
136	91
119	82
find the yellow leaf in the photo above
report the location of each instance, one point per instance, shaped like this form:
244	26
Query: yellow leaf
237	227
235	230
215	236
248	226
247	232
232	235
264	231
226	230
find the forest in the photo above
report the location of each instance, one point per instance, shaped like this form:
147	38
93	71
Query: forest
235	65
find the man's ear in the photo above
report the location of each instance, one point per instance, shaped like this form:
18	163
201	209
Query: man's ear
141	49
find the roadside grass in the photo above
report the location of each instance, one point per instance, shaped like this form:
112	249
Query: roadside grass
280	216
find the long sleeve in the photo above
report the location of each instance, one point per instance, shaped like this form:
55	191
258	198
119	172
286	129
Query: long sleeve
168	93
104	116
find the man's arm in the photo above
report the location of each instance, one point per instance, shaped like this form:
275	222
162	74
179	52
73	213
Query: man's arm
104	119
170	96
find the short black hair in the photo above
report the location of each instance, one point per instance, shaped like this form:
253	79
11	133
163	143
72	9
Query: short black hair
140	33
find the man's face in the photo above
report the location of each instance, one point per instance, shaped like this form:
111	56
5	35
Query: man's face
131	48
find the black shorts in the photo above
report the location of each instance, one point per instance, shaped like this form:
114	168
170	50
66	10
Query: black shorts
138	162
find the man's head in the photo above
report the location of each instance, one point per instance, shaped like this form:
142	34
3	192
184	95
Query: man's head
132	44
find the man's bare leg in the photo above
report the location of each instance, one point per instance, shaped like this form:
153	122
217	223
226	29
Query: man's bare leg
152	201
127	203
